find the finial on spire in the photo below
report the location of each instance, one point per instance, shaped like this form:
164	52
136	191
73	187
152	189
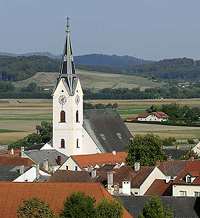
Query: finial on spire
68	25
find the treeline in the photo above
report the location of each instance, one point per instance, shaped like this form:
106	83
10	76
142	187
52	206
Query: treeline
178	113
7	90
20	68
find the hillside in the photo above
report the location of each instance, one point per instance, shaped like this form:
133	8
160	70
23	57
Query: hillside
93	80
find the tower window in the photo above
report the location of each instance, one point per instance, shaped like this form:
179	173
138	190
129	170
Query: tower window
77	117
62	143
77	143
62	116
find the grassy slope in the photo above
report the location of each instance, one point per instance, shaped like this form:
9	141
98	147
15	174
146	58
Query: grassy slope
93	80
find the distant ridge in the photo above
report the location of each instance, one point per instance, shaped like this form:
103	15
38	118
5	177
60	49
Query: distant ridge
91	59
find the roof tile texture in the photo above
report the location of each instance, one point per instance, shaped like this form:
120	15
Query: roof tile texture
12	195
17	161
108	158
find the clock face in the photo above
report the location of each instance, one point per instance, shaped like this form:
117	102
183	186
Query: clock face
62	99
77	99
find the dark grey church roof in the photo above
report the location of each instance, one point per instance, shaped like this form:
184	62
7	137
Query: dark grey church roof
183	207
107	129
10	173
176	153
38	156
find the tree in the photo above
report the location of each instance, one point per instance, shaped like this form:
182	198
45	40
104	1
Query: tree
45	131
155	209
35	208
189	155
78	205
109	209
145	149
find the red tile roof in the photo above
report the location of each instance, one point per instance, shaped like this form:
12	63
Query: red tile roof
160	114
193	168
17	161
160	188
144	115
12	195
108	158
131	118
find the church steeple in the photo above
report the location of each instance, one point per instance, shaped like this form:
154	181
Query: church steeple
67	70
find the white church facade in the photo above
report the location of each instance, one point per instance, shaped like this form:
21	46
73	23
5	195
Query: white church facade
82	132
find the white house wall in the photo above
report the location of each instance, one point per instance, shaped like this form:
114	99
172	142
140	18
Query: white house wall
30	175
190	189
155	174
71	164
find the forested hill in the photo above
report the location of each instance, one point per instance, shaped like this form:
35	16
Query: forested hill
178	69
110	60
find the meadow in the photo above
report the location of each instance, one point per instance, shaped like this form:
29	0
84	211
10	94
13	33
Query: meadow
93	80
19	117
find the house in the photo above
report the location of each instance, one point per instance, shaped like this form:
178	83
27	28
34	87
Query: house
91	161
183	207
13	194
187	182
51	160
22	173
196	148
78	132
153	117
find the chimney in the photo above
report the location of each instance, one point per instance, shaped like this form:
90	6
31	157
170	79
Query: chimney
114	153
94	173
21	169
136	166
191	159
37	171
126	187
46	164
157	162
110	181
59	160
169	158
12	151
22	152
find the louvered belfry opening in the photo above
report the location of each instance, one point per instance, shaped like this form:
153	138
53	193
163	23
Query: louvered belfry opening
62	116
77	117
62	143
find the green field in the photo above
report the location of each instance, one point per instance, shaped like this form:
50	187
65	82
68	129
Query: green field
19	117
93	80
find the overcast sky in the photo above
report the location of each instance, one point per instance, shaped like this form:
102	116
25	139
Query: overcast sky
148	29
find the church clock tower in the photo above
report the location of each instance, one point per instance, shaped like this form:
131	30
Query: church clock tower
68	105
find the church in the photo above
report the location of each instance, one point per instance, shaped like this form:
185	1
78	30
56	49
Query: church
76	131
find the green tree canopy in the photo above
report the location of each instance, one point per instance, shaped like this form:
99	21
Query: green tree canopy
109	209
35	208
155	209
190	154
78	205
145	149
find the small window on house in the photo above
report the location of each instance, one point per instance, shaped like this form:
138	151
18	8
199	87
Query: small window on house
135	193
77	143
196	194
188	179
62	116
76	168
67	167
62	143
103	136
77	117
119	135
183	193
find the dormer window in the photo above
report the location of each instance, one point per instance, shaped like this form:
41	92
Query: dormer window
103	136
119	135
188	179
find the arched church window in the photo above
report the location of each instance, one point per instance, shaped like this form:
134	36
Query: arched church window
77	117
62	143
62	116
77	143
